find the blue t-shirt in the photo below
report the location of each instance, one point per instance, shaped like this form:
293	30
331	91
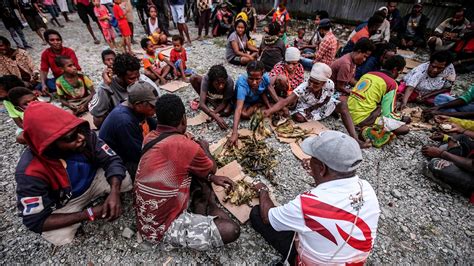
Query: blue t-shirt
80	172
121	130
246	94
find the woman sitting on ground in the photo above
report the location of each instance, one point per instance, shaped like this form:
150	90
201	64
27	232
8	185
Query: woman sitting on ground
272	49
16	62
238	50
217	89
288	74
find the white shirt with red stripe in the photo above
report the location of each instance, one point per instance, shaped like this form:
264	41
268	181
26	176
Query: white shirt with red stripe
329	226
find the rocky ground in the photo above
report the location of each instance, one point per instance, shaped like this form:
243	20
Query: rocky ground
421	222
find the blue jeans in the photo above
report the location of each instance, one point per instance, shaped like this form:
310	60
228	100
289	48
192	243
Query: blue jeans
53	11
307	63
443	98
18	37
50	83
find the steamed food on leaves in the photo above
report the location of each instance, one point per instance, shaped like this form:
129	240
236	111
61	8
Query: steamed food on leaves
242	193
288	130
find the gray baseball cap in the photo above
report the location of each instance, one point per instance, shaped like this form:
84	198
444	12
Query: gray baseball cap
142	91
335	149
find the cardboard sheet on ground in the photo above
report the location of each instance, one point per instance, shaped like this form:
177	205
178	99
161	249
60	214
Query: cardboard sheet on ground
166	51
198	119
218	147
406	53
298	152
174	85
233	170
411	63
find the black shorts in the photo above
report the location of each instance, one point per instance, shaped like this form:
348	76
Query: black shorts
235	61
85	12
35	22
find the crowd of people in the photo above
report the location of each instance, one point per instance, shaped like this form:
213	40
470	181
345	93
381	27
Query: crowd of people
140	142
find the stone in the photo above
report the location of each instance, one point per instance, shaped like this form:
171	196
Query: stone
127	233
396	194
107	258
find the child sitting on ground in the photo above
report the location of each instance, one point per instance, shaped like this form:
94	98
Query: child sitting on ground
217	89
178	57
157	37
20	98
7	83
104	18
108	57
152	63
74	89
299	41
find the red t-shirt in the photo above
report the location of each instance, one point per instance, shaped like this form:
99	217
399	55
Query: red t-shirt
343	69
83	2
175	56
162	183
47	61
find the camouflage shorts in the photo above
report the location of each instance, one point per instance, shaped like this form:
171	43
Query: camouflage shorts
193	231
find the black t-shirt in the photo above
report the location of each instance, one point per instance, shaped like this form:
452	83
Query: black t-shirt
8	15
212	94
27	7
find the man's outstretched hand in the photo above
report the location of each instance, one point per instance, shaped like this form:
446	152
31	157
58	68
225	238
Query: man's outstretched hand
222	181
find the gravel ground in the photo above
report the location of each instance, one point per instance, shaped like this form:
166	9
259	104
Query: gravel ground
421	222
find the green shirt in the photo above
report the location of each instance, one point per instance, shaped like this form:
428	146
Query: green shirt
12	111
468	96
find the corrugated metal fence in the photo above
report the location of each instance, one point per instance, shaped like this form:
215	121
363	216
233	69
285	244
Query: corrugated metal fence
355	10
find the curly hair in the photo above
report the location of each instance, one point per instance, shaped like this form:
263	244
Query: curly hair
396	61
106	52
217	72
442	57
59	60
49	32
178	38
15	94
124	63
169	110
255	66
9	82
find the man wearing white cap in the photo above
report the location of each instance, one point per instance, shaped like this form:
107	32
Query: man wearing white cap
333	223
287	75
314	100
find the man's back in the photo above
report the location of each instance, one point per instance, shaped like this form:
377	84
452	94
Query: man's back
121	131
326	216
163	180
368	94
